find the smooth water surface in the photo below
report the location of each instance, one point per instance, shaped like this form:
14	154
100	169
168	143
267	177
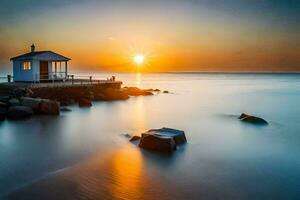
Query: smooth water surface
83	154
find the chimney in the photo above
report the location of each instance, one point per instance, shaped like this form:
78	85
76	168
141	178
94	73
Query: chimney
32	48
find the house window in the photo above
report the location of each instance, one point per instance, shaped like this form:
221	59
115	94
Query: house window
26	65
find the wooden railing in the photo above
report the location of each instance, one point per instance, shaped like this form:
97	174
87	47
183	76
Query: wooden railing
51	79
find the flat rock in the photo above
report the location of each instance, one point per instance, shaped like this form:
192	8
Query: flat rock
19	112
162	140
157	143
252	119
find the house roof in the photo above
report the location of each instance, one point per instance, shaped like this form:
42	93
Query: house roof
41	55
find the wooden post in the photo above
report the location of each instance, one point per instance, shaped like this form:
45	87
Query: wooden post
72	76
66	70
9	78
91	79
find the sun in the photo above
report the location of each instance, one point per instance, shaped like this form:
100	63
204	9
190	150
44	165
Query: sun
139	59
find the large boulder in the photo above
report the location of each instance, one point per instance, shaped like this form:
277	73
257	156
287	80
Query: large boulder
157	143
163	140
252	119
49	107
19	112
33	103
84	102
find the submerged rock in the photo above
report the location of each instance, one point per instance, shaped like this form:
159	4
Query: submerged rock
166	92
49	107
252	119
162	140
65	109
19	112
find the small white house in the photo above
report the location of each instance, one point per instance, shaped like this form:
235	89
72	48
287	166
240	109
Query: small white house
40	66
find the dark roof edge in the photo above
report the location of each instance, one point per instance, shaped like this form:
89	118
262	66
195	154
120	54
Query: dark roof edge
32	54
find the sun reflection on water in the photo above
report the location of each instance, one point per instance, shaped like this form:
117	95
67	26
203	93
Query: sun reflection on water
127	165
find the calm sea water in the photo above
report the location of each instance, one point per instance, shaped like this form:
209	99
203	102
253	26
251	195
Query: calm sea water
83	155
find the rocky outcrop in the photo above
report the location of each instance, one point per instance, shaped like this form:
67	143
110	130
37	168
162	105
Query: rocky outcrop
49	107
162	140
252	119
134	91
19	112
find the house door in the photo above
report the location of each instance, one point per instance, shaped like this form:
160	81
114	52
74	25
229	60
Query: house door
44	75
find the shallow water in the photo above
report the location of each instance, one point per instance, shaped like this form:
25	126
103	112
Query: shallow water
83	155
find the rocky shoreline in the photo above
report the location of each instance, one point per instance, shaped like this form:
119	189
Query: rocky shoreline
20	103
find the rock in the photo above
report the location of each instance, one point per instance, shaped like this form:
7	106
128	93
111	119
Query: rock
5	99
3	110
65	109
157	143
22	92
162	140
177	135
3	105
110	95
85	102
153	90
19	112
166	92
252	119
33	103
135	138
134	91
127	135
49	107
14	102
2	116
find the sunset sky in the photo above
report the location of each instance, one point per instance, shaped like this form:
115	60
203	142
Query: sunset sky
174	35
